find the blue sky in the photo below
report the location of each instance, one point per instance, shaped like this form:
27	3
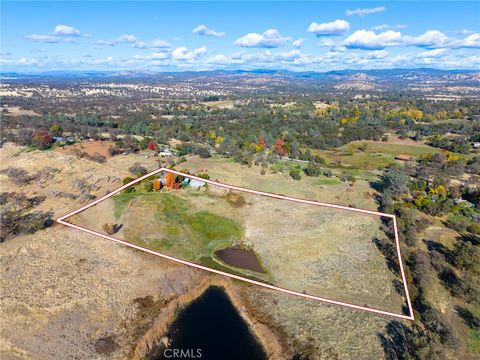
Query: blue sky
299	36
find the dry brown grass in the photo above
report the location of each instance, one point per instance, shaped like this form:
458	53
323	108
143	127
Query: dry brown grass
62	290
306	248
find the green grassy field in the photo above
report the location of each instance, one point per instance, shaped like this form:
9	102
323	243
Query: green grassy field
376	155
182	230
391	149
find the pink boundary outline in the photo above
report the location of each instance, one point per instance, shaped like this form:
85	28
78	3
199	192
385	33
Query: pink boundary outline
265	285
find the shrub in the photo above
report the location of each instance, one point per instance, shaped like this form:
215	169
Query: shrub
97	158
34	221
474	228
295	174
137	169
235	200
313	170
411	237
56	130
418	185
458	223
130	188
148	186
203	152
113	150
318	159
111	228
203	176
126	180
18	175
42	139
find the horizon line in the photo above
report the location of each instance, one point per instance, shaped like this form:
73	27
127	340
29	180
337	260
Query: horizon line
43	71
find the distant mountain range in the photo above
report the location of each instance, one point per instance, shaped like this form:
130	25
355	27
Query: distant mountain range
270	72
431	82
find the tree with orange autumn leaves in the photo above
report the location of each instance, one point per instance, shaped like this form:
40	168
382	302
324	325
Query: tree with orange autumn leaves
170	181
156	185
280	148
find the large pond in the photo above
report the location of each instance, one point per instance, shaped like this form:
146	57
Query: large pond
210	328
245	259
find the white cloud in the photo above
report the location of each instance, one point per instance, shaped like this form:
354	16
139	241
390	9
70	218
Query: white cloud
184	59
132	40
271	38
183	54
153	56
328	41
205	31
43	38
369	40
471	41
430	39
363	12
25	61
61	33
125	39
159	44
104	43
465	31
336	27
298	43
65	30
432	53
260	59
154	44
386	26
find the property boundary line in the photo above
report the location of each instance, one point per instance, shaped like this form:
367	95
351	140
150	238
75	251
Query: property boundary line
62	221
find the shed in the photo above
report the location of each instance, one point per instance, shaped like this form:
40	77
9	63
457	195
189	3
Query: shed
403	157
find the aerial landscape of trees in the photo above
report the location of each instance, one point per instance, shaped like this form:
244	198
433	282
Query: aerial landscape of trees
306	136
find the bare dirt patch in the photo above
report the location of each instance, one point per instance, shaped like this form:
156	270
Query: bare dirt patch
89	147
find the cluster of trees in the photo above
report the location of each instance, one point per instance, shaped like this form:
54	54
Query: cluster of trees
414	194
255	126
458	144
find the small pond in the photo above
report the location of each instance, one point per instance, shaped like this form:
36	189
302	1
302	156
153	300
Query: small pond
245	259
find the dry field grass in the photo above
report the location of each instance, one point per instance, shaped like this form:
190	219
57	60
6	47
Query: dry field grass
221	104
16	111
66	175
63	290
312	249
360	195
